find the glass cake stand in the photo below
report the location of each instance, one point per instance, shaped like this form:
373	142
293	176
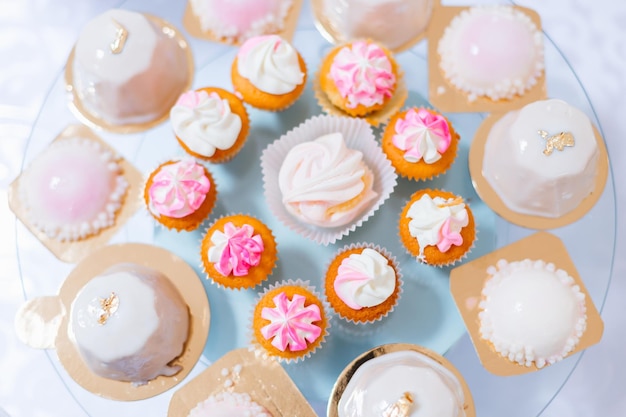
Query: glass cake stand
426	314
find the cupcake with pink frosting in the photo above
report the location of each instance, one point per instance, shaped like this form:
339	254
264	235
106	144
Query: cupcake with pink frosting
363	283
420	143
180	194
289	321
238	251
359	78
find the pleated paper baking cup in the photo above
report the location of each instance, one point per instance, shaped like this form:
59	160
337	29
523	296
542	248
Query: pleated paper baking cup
357	135
262	346
360	321
256	274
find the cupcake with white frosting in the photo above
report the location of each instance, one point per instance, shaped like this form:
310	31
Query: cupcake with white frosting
363	283
210	123
268	73
437	227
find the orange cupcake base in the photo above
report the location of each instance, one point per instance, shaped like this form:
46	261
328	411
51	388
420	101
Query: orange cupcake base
419	170
237	107
366	314
262	100
432	255
191	221
334	96
266	300
256	274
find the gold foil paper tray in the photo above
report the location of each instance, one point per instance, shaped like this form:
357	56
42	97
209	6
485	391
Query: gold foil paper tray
264	380
466	284
445	96
41	316
73	251
491	198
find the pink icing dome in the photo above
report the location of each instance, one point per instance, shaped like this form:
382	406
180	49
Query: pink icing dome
178	189
363	74
291	323
492	51
241	19
422	135
73	189
235	250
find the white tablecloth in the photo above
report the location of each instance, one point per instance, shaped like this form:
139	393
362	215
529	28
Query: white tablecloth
35	39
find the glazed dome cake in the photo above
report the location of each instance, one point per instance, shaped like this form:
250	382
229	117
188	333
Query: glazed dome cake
127	70
129	323
390	22
493	52
402	383
542	160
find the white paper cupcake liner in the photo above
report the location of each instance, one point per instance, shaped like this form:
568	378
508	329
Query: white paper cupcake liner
206	273
365	328
260	350
358	135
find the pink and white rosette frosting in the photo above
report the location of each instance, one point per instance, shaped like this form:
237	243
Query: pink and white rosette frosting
178	189
357	135
437	222
422	135
363	74
235	249
291	325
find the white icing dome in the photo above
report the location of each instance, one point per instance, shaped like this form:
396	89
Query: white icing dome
526	168
126	69
385	380
128	323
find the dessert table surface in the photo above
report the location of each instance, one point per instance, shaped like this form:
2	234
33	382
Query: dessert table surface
35	40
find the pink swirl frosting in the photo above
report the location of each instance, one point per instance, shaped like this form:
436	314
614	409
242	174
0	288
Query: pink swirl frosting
363	74
422	135
191	99
235	250
291	323
178	189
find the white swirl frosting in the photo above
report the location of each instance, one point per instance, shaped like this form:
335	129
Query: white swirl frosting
318	176
437	221
365	279
271	64
205	122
